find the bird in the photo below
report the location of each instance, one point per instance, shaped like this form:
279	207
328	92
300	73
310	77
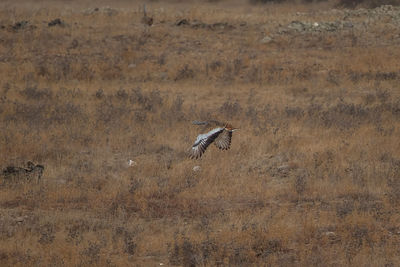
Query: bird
221	136
145	19
32	172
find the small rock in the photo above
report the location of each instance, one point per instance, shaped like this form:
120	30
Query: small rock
332	234
196	168
132	163
284	167
266	40
20	219
297	26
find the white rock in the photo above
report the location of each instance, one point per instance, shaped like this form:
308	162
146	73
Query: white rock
196	168
266	40
132	163
330	234
20	219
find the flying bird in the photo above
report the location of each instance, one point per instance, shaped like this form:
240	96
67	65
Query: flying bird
221	136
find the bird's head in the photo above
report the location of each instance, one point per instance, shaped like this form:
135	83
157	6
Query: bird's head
230	128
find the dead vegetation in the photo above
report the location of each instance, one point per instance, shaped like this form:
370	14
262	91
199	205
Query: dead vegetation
312	177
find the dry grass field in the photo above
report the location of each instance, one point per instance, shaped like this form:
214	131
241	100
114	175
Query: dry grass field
312	177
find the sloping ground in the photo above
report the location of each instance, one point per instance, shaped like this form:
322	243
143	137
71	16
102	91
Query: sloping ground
312	177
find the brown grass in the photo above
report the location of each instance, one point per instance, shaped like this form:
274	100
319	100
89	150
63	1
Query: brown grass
312	177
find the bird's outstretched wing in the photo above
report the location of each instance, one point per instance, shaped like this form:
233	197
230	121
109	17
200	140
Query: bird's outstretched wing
203	141
223	141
